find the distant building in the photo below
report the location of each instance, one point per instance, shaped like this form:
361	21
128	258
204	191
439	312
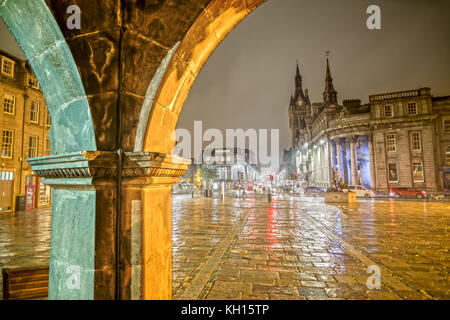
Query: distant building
232	165
398	139
288	164
24	125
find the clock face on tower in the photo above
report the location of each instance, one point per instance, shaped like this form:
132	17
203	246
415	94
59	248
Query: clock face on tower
300	103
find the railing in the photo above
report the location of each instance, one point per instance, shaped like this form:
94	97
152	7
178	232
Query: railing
398	95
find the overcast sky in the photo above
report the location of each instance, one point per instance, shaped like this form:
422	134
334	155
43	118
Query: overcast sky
247	81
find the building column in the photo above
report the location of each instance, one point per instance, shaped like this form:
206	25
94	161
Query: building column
331	155
339	159
111	224
372	161
353	160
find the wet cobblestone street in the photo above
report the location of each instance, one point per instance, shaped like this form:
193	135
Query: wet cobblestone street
248	249
290	249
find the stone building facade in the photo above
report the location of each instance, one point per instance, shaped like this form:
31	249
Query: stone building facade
398	139
24	125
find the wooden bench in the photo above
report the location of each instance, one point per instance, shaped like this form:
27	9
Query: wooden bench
25	283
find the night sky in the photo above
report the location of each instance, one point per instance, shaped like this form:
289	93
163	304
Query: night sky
247	81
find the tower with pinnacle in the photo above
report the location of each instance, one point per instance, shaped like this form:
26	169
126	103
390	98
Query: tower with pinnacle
299	112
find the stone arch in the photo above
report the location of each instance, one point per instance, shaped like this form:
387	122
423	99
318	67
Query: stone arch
38	34
112	202
208	30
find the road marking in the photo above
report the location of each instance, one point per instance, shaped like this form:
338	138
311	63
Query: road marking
196	286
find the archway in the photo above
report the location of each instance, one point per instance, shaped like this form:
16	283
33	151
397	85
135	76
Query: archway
111	230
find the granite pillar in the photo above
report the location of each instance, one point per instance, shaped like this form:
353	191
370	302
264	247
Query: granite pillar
353	160
102	244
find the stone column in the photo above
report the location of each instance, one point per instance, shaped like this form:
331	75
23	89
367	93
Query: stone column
330	161
339	159
372	161
106	246
353	160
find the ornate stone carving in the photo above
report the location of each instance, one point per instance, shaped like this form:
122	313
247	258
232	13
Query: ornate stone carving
105	165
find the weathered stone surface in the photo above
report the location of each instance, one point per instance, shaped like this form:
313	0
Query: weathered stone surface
104	109
164	21
130	119
73	244
42	42
113	58
98	61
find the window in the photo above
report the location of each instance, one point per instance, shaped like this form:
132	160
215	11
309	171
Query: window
48	147
8	67
447	125
9	103
49	120
416	144
412	108
447	155
32	147
393	177
388	111
417	172
32	81
7	143
6	175
390	143
34	111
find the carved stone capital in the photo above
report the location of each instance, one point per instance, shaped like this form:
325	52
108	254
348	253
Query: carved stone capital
69	168
152	164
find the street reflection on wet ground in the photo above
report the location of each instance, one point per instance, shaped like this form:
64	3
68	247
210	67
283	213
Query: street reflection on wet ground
292	248
24	239
302	248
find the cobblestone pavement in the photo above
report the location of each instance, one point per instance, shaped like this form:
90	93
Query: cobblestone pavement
24	239
290	249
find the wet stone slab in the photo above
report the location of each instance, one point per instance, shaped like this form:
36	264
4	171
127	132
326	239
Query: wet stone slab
298	249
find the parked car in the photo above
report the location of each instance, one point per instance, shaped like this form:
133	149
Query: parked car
314	191
362	192
407	192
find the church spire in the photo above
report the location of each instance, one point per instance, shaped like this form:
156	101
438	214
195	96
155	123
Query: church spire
298	79
330	94
298	85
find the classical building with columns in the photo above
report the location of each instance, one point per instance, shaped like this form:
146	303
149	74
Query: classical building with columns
397	139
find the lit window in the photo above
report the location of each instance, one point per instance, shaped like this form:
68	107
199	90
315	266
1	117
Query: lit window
447	125
415	141
390	143
7	143
32	147
393	177
412	108
417	172
49	120
447	155
9	103
34	111
8	67
388	111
